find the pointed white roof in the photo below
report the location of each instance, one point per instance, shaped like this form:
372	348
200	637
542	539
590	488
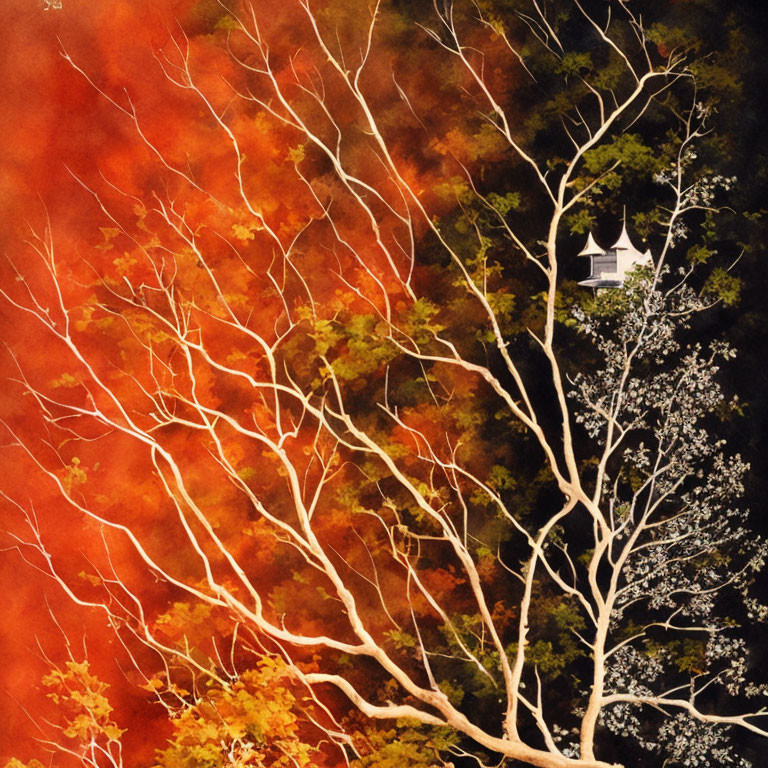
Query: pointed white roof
625	244
591	248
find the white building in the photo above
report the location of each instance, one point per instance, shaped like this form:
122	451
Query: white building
610	267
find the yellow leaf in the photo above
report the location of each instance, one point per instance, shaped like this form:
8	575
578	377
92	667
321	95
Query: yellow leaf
245	233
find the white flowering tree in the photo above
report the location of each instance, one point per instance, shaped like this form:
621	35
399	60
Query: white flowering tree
406	472
677	533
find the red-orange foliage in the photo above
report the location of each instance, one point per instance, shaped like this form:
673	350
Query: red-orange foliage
170	196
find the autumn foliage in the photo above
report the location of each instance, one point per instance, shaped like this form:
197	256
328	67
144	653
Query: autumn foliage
268	440
236	230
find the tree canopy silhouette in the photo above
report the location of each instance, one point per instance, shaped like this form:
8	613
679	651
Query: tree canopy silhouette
322	424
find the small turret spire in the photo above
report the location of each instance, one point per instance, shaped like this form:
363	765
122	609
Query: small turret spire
610	267
624	243
591	248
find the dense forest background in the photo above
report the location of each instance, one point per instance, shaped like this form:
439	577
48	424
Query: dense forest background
53	123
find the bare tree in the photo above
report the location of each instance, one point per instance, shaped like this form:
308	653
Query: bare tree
229	355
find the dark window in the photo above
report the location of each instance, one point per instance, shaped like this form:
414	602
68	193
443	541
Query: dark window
605	262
